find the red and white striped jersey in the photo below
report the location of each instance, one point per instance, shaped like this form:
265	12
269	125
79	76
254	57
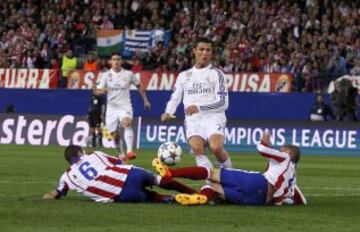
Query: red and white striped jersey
97	175
280	172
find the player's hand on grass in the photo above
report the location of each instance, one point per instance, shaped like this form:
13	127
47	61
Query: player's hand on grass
265	138
191	110
53	195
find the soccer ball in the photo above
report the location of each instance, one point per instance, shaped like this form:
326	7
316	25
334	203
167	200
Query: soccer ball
170	153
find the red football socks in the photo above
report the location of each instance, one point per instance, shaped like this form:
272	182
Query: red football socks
169	183
208	192
194	173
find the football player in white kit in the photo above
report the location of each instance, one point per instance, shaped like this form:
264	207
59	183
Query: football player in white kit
116	82
205	98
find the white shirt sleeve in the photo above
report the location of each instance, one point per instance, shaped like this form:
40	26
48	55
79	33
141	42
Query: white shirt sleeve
101	83
221	101
133	79
271	153
176	96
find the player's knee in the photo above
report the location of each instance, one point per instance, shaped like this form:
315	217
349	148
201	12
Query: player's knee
197	149
126	122
216	148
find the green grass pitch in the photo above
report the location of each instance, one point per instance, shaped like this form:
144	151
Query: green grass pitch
331	185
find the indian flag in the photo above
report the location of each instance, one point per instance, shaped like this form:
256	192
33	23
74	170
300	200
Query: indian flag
108	42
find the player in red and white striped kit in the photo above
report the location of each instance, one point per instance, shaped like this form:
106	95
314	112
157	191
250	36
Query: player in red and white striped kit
276	186
104	178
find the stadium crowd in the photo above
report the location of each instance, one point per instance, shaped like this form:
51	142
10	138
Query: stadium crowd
315	40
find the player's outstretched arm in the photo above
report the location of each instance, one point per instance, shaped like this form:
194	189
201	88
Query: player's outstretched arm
265	138
52	195
142	92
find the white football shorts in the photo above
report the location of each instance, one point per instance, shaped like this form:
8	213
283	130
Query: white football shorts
205	125
116	115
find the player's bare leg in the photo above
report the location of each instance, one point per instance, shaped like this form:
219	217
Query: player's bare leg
197	145
128	137
218	189
216	144
118	144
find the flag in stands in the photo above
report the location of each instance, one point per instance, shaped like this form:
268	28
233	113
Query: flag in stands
138	40
108	42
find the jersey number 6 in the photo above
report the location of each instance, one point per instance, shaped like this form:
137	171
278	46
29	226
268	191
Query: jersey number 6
88	172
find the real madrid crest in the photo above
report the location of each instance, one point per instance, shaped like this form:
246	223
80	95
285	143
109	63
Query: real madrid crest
207	79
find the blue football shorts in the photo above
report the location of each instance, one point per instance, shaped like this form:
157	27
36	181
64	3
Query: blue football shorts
244	187
134	188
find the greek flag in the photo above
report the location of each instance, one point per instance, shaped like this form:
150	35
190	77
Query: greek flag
143	40
138	40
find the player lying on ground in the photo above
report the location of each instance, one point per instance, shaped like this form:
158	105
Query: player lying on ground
276	186
104	178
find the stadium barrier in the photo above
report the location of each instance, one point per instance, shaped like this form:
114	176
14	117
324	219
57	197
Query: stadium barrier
320	138
247	106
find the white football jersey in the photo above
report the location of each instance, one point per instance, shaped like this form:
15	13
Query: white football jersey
203	87
281	171
118	86
98	176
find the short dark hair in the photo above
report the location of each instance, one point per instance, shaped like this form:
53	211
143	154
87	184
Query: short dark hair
115	54
296	153
202	40
72	152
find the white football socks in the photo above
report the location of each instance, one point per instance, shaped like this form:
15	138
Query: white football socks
129	138
226	164
203	161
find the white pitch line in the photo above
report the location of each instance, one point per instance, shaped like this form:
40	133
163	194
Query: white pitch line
333	188
26	182
347	189
333	195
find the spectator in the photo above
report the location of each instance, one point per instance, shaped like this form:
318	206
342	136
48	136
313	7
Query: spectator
337	64
338	101
320	111
344	101
356	69
91	63
69	63
137	65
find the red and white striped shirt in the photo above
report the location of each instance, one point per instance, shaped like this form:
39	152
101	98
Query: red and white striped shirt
97	175
280	172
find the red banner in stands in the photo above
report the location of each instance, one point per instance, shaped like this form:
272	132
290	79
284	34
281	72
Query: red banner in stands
81	79
236	82
28	78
